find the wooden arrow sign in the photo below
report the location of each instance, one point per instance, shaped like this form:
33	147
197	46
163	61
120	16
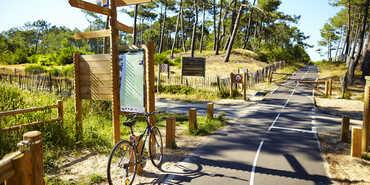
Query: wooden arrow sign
92	34
89	7
131	2
124	27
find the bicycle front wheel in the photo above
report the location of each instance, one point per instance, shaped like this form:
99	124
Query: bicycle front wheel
156	147
121	167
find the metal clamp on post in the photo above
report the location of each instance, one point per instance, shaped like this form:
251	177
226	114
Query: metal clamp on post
24	146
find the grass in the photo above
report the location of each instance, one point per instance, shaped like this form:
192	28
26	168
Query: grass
188	94
207	126
331	70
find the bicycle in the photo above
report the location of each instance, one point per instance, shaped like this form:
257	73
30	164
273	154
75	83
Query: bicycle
128	157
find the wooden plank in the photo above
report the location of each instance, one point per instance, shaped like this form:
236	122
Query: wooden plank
96	57
103	78
90	7
22	111
131	2
102	90
92	34
78	98
124	27
6	168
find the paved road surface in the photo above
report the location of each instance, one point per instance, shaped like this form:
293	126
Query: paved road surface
273	141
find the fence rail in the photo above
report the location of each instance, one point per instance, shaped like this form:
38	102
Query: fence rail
58	119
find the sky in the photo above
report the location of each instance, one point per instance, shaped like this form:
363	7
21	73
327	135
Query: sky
58	12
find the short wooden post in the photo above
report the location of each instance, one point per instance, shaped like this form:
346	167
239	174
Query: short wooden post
366	117
245	86
60	111
270	76
356	142
22	165
345	129
193	119
35	139
231	84
171	132
210	111
326	88
330	87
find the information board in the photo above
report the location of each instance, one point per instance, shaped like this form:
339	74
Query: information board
193	66
132	86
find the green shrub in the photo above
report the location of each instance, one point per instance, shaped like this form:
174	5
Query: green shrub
177	89
161	58
68	70
96	179
35	69
55	71
10	98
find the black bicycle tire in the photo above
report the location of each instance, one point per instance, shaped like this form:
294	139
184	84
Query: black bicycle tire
110	160
150	149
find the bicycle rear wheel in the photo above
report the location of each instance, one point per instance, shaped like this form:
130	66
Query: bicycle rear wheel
121	167
156	147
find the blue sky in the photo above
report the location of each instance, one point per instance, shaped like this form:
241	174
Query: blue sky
15	13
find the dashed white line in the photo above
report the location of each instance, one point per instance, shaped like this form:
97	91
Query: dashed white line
295	129
251	181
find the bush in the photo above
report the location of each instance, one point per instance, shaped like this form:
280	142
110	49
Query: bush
161	58
10	98
35	69
177	89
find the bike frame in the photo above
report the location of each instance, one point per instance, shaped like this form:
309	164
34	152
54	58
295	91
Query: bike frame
135	143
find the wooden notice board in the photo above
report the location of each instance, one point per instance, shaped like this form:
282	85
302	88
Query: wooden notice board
193	66
95	73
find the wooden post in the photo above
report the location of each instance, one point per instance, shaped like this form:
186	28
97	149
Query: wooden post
115	73
345	129
210	110
22	165
193	119
245	86
330	87
356	142
366	117
171	132
78	99
50	84
35	139
60	111
231	84
326	88
149	80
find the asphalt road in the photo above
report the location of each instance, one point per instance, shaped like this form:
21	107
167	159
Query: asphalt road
273	141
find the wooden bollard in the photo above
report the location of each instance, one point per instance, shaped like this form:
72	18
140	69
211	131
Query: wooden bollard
210	111
366	117
193	119
345	129
60	111
35	139
356	142
171	132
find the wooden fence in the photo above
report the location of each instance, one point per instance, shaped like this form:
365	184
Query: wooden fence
25	166
58	119
219	82
39	82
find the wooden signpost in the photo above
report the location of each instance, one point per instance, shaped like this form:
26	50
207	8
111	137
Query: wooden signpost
97	76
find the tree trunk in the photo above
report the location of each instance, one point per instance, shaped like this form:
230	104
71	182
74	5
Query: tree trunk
183	38
233	35
349	29
219	29
176	30
365	68
353	64
162	28
247	30
135	25
194	29
214	26
202	34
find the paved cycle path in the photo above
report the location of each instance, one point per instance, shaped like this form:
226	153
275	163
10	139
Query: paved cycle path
273	141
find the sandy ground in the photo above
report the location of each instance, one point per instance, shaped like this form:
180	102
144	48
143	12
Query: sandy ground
343	168
81	168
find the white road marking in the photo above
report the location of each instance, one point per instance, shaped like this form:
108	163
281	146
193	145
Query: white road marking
251	180
295	129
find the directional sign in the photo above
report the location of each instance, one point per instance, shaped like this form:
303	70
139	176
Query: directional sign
90	7
92	34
